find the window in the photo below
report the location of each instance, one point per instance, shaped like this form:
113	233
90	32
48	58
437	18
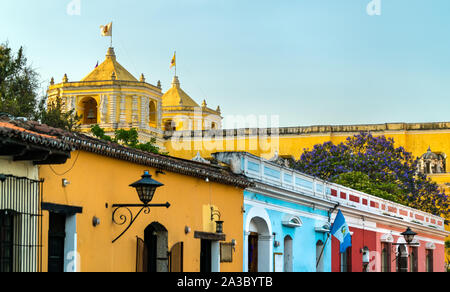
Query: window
429	260
386	257
346	261
6	241
319	256
89	111
153	113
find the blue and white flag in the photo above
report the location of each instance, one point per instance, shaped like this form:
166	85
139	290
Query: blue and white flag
341	231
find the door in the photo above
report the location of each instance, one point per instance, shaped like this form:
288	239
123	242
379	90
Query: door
176	258
56	241
205	257
156	248
253	253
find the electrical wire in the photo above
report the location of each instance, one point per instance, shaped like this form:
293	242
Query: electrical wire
73	165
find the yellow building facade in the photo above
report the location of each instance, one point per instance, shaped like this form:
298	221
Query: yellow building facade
195	192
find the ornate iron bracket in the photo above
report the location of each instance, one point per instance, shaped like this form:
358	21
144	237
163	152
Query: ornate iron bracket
123	219
215	213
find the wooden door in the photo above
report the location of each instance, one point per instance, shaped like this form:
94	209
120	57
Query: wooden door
141	256
253	253
176	258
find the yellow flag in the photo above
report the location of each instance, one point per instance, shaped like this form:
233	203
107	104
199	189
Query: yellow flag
106	30
174	61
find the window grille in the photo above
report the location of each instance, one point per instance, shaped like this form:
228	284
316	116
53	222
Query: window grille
20	224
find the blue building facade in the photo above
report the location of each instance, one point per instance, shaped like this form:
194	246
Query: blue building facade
287	216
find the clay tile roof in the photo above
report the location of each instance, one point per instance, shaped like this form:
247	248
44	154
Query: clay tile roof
79	141
22	131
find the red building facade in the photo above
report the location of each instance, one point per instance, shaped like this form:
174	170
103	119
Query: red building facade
376	226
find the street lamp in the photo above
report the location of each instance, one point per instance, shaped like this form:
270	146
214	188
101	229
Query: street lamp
408	235
219	223
145	188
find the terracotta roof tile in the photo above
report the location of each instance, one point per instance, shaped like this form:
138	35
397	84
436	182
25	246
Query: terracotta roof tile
78	141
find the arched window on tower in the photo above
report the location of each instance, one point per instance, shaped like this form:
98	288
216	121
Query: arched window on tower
89	109
153	114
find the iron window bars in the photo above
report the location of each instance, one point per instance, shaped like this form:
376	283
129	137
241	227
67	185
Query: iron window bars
20	224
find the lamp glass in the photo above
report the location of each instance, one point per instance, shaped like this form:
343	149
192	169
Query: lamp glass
409	235
146	188
146	193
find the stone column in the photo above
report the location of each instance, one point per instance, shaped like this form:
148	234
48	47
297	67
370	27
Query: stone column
135	112
122	111
144	112
159	122
112	110
103	108
68	102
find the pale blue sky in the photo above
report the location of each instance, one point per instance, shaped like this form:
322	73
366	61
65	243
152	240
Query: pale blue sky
310	61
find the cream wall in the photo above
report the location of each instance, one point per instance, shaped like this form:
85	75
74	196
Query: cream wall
18	168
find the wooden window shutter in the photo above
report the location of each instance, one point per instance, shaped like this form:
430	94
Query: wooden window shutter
176	258
141	256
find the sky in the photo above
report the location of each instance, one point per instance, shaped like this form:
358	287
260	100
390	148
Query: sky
309	62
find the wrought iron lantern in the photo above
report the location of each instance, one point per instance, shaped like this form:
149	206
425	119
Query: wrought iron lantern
219	227
409	235
219	223
145	188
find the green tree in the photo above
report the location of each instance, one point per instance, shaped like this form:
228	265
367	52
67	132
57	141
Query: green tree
127	138
55	116
374	165
18	84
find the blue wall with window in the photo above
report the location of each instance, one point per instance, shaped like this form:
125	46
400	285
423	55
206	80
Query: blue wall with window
305	238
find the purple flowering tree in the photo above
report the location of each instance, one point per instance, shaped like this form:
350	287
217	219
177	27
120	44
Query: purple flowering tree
374	165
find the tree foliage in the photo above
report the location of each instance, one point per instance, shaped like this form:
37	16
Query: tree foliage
56	116
374	165
127	138
18	84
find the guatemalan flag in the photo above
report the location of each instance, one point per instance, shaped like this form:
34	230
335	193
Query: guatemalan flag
341	231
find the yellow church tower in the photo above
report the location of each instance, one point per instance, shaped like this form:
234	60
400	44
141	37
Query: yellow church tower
182	113
114	99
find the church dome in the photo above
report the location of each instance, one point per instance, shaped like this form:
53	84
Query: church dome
176	96
110	69
430	155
